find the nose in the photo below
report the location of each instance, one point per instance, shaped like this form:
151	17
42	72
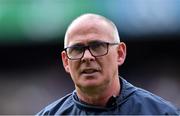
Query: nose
88	56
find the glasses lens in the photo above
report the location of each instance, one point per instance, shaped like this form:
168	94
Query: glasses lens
98	49
75	52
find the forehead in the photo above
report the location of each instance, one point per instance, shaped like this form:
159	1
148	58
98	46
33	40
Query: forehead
90	30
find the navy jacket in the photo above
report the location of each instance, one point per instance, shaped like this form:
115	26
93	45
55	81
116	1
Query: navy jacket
132	100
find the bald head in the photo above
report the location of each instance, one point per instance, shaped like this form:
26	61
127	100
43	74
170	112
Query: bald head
90	23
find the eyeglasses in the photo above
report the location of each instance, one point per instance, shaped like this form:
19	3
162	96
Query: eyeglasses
96	49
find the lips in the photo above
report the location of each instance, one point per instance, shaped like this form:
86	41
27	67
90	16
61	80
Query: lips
89	70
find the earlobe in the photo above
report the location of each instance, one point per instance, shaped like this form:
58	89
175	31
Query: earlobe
65	61
121	53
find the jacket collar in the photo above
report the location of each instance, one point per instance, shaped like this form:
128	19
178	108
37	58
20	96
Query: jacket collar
126	90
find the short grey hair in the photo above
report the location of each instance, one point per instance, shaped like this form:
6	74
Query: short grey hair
116	34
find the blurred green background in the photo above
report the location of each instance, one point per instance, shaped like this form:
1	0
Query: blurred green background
31	40
26	21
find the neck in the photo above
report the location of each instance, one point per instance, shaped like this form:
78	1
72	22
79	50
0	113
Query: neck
101	97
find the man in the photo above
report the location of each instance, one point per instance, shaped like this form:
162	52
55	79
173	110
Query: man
92	54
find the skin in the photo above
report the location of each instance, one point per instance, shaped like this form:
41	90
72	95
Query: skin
97	86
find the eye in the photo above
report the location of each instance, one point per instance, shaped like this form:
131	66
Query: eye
98	47
75	49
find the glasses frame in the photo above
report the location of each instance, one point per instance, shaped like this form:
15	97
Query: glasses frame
87	47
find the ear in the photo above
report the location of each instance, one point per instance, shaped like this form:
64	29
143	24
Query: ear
121	53
65	61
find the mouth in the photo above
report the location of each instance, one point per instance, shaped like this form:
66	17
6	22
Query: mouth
89	71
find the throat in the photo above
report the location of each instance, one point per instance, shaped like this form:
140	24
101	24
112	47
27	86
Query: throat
95	101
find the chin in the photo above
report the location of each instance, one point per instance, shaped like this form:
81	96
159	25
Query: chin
91	80
93	83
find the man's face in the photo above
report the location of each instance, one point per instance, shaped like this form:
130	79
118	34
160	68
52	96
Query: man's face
89	71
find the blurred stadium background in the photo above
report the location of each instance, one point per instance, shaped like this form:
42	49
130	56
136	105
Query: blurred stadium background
31	40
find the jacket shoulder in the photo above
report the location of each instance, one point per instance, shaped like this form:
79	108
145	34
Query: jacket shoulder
155	104
57	106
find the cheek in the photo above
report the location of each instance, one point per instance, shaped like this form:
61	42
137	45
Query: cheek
73	67
111	63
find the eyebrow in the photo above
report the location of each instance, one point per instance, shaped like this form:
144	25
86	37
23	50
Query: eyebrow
91	42
76	45
96	41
